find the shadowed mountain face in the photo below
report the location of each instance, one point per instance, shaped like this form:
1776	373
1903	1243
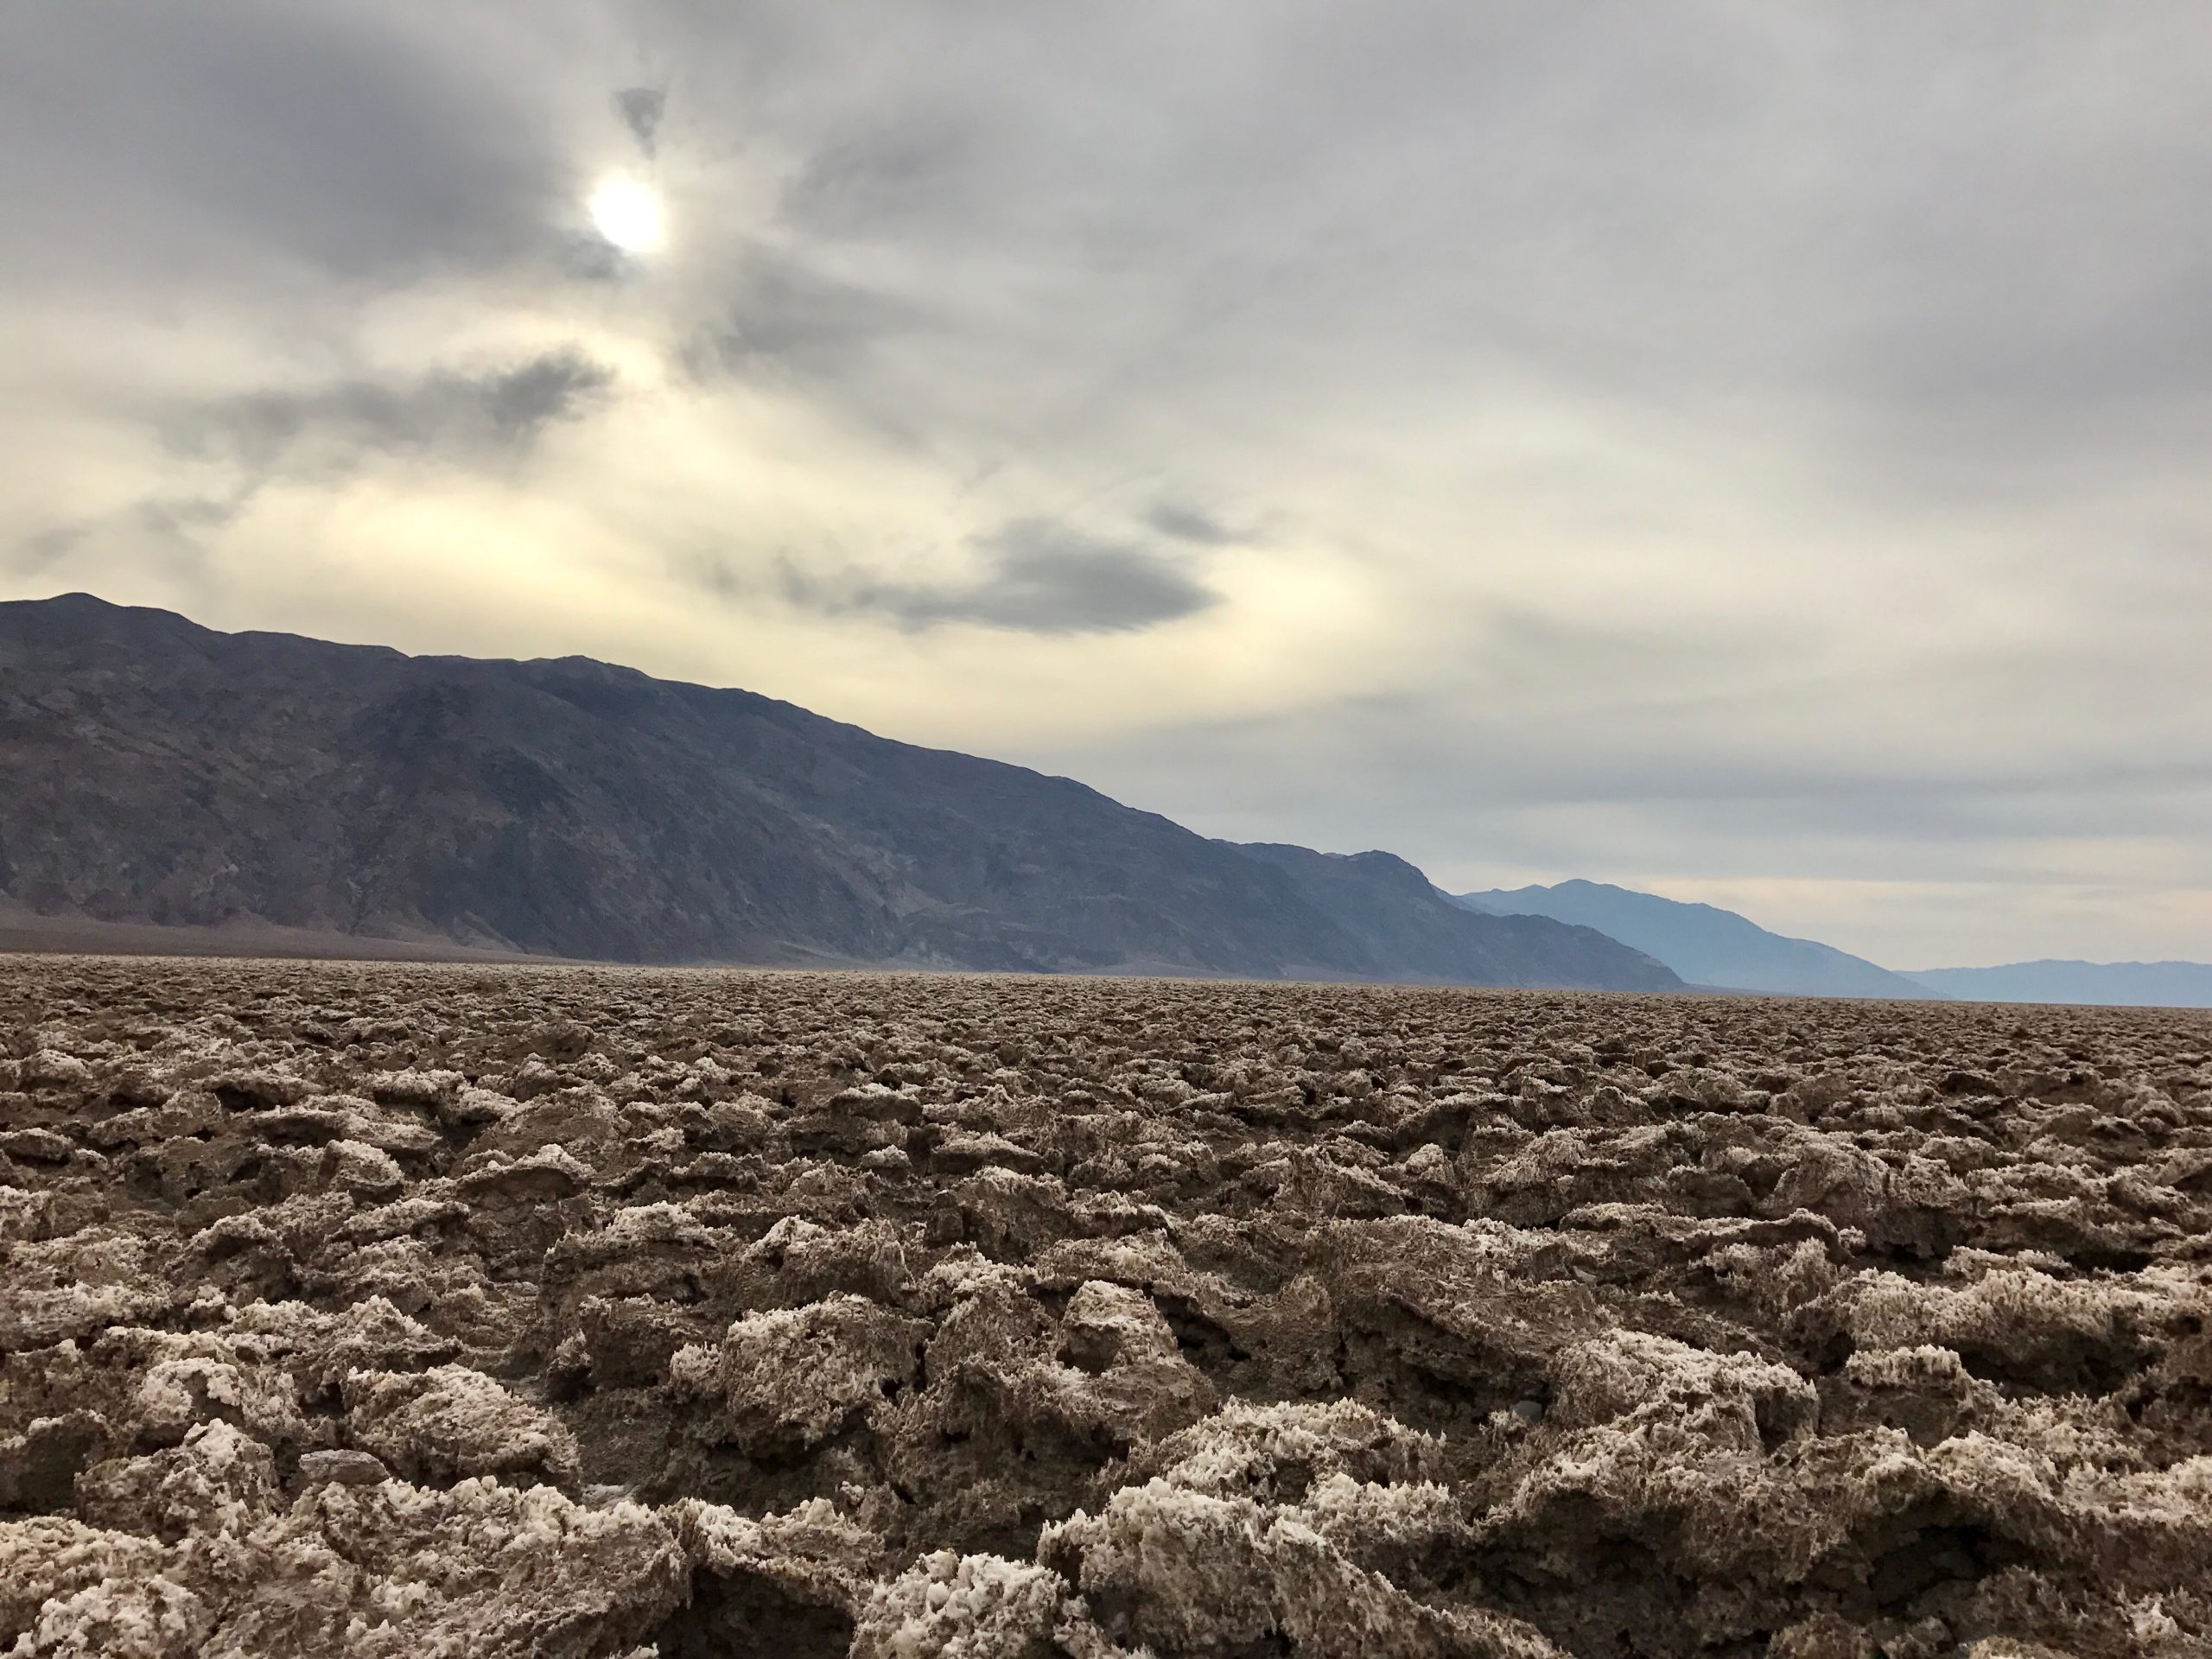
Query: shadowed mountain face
1706	945
2108	984
161	773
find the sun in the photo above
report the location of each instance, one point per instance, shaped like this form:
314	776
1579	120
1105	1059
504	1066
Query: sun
628	213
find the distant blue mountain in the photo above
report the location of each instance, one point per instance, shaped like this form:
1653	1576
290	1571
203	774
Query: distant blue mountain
1706	945
2110	985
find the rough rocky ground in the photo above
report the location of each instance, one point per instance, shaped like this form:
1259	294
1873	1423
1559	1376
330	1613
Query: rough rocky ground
450	1310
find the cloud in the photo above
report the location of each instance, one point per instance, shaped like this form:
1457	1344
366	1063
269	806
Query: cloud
461	417
883	173
1036	578
1693	440
641	109
195	141
41	549
1185	522
790	317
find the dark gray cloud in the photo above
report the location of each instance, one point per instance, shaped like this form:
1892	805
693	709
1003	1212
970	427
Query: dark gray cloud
790	317
464	417
1035	578
589	256
177	143
1933	240
483	418
641	109
1185	522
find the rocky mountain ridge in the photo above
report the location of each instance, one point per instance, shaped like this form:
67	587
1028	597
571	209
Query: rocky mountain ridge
165	774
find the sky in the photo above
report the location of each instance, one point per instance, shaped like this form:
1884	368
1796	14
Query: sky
1752	452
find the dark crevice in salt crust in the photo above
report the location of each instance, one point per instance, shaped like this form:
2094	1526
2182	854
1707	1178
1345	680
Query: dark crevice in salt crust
403	1310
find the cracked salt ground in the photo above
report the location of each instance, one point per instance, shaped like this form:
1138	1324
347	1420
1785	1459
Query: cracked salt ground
606	1314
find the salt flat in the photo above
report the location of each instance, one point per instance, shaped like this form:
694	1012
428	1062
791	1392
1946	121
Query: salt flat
380	1309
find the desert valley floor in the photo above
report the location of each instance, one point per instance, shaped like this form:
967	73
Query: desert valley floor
456	1310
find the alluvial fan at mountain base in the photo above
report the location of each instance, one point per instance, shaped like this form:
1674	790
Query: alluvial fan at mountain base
599	1314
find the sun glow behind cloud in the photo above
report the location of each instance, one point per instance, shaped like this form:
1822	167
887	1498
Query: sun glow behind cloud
628	212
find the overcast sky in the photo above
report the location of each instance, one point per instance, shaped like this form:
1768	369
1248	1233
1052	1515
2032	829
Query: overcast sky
1756	452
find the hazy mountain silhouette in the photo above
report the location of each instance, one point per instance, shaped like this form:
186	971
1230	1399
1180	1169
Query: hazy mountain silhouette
162	772
1703	944
2137	984
1382	898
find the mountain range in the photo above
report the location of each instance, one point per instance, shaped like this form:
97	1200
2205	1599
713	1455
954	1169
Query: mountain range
174	787
2139	984
166	774
1714	949
1706	945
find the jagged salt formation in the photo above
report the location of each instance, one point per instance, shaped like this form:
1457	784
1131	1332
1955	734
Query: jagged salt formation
608	1313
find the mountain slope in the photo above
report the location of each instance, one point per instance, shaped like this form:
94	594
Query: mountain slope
160	772
1706	945
1393	909
2110	985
